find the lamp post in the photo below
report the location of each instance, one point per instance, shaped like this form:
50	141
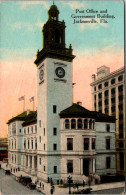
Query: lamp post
69	182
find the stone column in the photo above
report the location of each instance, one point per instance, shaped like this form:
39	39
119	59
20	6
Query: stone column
81	166
93	161
33	162
90	166
90	144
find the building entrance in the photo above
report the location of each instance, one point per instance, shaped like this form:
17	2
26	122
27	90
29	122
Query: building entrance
86	167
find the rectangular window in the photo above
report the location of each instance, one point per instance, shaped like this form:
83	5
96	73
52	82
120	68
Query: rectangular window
24	131
121	159
40	161
107	144
44	147
70	166
32	129
31	144
35	128
93	143
24	144
54	108
40	139
44	168
44	131
54	131
20	130
55	169
36	144
108	162
69	143
86	143
39	123
54	146
108	127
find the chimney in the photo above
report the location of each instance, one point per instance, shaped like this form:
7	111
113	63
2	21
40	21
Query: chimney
27	111
79	103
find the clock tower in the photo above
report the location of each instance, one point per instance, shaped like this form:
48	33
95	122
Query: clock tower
54	94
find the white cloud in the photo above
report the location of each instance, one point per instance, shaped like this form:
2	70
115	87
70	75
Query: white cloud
26	26
75	4
92	26
26	4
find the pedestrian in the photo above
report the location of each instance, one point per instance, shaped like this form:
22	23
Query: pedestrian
83	183
51	191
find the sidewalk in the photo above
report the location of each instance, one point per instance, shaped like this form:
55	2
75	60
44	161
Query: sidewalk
94	187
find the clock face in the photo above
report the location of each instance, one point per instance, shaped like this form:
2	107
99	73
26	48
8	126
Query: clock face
60	72
41	74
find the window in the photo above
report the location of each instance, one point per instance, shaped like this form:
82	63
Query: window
86	143
15	144
44	147
113	100
36	144
121	135
100	86
100	95
69	143
44	168
69	166
106	102
106	110
108	127
95	97
106	84
39	123
121	116
19	130
24	144
106	93
93	124
113	91
28	144
44	131
120	78
121	158
120	88
93	143
108	162
32	129
94	88
54	131
79	124
112	81
121	145
35	128
55	169
85	124
40	161
54	108
100	103
113	108
54	146
90	124
31	144
67	124
24	131
120	97
40	139
15	158
107	144
73	124
28	130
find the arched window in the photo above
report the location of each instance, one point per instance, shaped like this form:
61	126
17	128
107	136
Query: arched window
67	124
79	124
90	124
85	124
73	124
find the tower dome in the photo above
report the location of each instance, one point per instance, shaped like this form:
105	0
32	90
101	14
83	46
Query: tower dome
53	13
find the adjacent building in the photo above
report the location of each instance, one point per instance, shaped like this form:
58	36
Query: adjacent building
108	96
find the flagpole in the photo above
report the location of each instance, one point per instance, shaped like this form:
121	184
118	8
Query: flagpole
33	104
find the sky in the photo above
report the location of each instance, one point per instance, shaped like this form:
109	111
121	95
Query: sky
94	45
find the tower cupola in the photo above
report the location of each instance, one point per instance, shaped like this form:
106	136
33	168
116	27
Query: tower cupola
53	13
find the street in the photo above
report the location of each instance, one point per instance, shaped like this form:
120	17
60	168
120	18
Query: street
109	191
8	185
